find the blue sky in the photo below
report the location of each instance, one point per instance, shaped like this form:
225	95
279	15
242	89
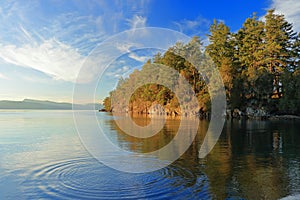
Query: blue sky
43	44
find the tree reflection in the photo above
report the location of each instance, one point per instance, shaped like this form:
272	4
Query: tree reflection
252	159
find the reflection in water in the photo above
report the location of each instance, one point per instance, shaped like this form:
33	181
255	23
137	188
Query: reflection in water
41	157
249	161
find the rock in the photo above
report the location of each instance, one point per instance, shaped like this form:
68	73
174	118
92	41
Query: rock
228	113
236	113
156	109
256	113
250	111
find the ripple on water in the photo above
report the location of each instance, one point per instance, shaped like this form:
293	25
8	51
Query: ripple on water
85	178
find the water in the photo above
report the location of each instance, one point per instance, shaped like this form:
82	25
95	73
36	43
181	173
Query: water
41	157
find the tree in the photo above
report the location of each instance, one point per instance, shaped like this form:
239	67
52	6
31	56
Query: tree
290	80
259	65
279	36
221	50
250	44
107	104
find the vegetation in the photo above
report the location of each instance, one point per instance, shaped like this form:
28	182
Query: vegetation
259	65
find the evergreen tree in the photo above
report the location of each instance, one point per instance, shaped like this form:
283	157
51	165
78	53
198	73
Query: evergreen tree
259	65
257	80
279	36
221	50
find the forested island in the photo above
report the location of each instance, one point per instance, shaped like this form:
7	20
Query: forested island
259	65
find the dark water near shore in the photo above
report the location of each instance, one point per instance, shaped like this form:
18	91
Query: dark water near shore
41	157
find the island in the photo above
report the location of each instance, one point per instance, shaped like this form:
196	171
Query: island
259	65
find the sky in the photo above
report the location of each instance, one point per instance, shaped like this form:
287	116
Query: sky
44	44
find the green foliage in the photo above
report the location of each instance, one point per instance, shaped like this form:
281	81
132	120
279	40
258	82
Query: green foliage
107	104
221	50
148	94
256	61
290	102
259	65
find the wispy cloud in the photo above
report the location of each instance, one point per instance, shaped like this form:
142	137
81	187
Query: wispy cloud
124	47
52	57
119	72
138	58
57	44
81	32
137	22
291	10
196	26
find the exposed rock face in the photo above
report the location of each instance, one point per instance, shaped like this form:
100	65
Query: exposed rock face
157	110
236	113
256	113
250	113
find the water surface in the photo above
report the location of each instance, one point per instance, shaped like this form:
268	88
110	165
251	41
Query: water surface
41	157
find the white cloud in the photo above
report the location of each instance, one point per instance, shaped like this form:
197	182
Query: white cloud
291	10
124	47
58	44
120	71
51	57
82	32
137	22
138	58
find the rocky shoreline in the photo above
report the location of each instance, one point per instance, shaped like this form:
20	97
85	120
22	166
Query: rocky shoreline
259	114
250	113
284	117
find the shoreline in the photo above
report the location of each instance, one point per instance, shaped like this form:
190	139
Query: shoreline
284	117
228	117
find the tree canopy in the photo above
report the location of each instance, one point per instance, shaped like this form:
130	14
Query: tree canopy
259	66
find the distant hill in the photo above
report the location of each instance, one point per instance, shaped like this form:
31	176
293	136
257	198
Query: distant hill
46	105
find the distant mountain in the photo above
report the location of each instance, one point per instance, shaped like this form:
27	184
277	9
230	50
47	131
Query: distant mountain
46	105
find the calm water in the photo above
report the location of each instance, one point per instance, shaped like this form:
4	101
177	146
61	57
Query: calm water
41	157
